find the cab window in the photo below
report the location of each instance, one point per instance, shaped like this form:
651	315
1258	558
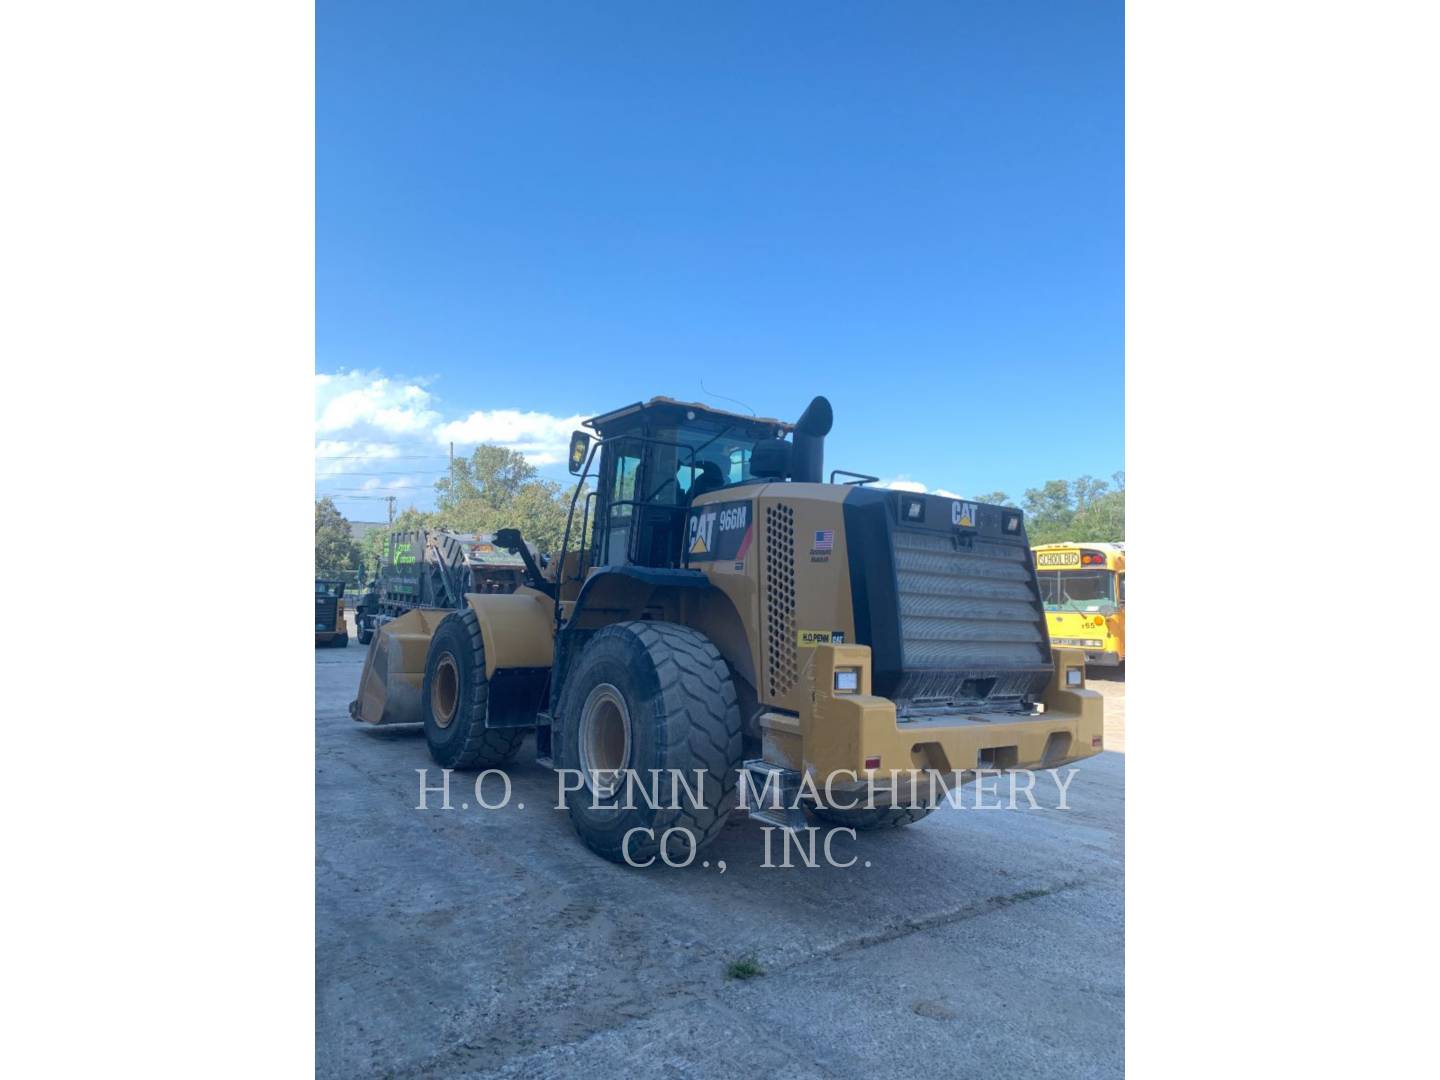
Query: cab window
623	466
622	488
701	456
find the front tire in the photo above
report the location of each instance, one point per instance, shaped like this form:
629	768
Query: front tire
455	697
651	695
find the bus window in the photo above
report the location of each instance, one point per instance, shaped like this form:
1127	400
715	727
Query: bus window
1080	590
1121	578
1047	589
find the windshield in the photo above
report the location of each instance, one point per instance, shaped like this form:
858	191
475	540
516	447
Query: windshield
721	457
1076	590
328	588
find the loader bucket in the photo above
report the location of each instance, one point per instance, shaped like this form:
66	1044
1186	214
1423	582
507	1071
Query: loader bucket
395	668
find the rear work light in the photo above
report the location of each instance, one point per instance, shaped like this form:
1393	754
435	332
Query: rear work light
847	681
1012	523
1074	677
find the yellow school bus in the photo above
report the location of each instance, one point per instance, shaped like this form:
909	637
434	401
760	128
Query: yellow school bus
1083	589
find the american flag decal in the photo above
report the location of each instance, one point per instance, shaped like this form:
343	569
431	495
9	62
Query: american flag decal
825	540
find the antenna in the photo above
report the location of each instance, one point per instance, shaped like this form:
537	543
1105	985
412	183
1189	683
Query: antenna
722	397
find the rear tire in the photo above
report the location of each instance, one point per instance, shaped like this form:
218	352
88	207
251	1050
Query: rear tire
651	695
455	697
363	634
862	820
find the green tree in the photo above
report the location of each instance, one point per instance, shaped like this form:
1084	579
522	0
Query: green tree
1076	510
336	555
492	477
994	498
496	488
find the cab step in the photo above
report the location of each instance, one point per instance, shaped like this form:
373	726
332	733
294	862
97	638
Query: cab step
761	801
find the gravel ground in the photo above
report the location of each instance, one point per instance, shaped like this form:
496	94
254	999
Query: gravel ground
1113	687
494	944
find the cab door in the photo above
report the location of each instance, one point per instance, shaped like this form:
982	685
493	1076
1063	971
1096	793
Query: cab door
615	521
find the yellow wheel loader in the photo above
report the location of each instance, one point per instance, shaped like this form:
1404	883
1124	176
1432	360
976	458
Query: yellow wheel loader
718	610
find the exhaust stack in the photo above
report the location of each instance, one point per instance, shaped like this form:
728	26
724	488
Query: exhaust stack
808	465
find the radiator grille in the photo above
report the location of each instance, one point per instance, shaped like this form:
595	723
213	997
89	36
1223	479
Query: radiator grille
968	607
781	671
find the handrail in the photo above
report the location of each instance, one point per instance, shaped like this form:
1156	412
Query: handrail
861	479
584	535
570	517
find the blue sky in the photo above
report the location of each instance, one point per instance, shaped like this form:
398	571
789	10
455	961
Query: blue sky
529	212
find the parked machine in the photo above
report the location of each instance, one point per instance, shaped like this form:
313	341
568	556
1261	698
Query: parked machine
717	607
431	568
330	628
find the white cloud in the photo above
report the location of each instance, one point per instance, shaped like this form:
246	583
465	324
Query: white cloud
359	400
379	434
904	483
543	439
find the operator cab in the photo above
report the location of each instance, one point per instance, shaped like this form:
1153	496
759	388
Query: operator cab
656	458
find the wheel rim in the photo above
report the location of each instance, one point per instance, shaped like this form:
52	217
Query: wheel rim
445	691
604	739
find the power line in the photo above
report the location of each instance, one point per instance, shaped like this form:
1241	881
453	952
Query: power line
382	457
379	491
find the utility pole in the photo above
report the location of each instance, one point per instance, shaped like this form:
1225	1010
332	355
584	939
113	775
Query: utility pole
390	504
450	476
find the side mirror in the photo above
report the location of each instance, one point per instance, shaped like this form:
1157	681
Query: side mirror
770	458
579	451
